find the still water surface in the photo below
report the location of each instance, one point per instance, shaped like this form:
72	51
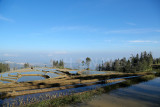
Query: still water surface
145	94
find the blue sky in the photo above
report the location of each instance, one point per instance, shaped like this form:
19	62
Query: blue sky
49	29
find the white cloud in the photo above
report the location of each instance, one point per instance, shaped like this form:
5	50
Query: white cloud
20	63
143	41
10	62
5	19
124	31
9	55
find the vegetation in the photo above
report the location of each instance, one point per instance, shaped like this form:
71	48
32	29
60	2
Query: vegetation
62	101
26	65
4	67
58	64
156	61
88	61
138	63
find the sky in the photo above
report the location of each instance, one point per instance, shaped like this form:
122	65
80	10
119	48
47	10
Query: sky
40	30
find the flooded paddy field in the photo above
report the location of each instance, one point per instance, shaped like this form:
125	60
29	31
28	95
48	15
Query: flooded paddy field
22	76
33	86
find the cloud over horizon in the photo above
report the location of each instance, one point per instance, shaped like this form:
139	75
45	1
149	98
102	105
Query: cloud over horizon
142	41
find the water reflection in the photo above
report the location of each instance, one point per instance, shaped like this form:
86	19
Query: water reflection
30	78
146	91
94	72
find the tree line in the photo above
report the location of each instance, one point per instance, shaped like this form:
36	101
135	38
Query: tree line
156	61
4	67
58	64
140	62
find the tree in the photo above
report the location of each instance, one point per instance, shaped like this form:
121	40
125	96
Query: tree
88	60
61	64
108	68
138	63
83	64
26	65
58	64
4	67
116	65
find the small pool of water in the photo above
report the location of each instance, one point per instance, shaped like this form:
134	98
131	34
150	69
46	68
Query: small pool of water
33	72
14	73
52	75
5	74
4	81
50	69
93	72
30	78
73	72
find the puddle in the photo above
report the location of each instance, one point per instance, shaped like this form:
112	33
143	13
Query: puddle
14	73
52	75
30	78
5	74
4	81
50	70
93	72
33	72
73	72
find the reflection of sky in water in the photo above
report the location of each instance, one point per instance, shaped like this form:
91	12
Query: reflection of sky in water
93	72
73	72
146	91
50	69
65	92
4	81
13	73
52	75
5	75
30	78
143	91
33	72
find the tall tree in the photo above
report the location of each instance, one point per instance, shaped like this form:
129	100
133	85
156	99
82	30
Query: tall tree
26	65
4	67
88	60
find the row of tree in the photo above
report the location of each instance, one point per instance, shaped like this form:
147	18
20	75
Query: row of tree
58	64
156	61
4	67
142	62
